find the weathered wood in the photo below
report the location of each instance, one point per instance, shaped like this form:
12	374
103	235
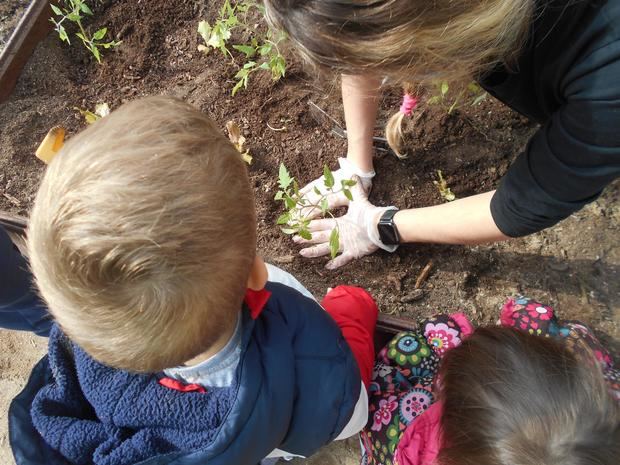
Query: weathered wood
13	223
33	27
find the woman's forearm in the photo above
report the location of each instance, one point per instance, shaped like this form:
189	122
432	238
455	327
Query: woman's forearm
360	99
463	221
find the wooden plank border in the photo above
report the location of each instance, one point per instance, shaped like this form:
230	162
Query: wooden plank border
32	28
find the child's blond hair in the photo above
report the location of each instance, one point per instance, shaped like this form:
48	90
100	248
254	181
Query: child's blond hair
143	234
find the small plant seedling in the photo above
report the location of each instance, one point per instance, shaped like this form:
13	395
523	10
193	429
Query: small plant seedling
238	140
260	53
75	11
444	190
473	93
101	111
292	221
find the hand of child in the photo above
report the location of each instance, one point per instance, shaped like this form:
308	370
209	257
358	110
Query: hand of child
347	171
357	231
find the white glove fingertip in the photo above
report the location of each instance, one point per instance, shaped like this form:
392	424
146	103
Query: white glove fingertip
339	261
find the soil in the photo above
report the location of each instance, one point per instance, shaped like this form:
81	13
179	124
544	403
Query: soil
574	266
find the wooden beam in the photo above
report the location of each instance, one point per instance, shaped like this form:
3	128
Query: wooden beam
13	223
32	28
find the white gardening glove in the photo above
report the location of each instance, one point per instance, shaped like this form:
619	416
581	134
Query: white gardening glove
347	171
357	231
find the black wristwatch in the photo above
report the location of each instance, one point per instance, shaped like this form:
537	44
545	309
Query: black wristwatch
388	232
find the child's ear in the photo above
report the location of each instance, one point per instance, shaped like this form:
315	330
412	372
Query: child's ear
258	275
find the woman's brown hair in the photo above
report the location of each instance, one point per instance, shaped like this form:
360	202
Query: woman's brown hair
510	398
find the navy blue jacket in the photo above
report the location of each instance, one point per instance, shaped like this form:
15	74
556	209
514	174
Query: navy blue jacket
295	389
20	307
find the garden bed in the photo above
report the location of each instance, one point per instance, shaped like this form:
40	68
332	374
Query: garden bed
574	266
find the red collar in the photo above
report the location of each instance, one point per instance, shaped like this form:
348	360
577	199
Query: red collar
256	301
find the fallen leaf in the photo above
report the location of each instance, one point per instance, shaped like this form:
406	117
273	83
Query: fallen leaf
52	143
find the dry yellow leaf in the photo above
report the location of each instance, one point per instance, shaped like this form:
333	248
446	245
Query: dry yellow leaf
235	136
52	143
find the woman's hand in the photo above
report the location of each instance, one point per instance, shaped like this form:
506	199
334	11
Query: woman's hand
357	231
314	192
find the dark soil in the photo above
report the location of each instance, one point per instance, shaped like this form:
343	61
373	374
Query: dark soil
573	266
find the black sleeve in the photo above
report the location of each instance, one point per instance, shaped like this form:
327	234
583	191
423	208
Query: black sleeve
572	157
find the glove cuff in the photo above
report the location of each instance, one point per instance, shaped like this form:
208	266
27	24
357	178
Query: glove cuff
371	220
350	169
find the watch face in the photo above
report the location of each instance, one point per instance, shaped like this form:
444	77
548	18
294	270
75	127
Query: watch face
388	233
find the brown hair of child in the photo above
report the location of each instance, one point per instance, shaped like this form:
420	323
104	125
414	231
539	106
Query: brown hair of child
511	398
143	234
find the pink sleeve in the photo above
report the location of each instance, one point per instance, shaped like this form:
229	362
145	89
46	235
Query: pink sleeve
467	328
421	441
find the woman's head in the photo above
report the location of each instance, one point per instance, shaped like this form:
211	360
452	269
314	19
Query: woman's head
411	40
515	399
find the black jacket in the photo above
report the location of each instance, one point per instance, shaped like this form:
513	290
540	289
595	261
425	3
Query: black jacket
568	80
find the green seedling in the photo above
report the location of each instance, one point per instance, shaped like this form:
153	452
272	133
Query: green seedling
75	11
292	221
473	93
443	188
261	52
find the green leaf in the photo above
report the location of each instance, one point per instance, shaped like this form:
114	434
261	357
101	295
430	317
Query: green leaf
246	49
243	82
324	205
474	88
296	188
265	49
86	9
74	17
62	33
204	29
95	52
264	65
249	65
100	34
328	177
290	202
283	218
56	10
433	100
347	194
284	177
317	191
288	230
305	234
348	182
243	72
334	243
444	88
279	195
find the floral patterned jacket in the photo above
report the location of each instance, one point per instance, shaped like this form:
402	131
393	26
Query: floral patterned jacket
404	420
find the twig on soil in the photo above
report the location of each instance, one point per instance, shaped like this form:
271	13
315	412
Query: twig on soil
283	128
12	199
423	275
